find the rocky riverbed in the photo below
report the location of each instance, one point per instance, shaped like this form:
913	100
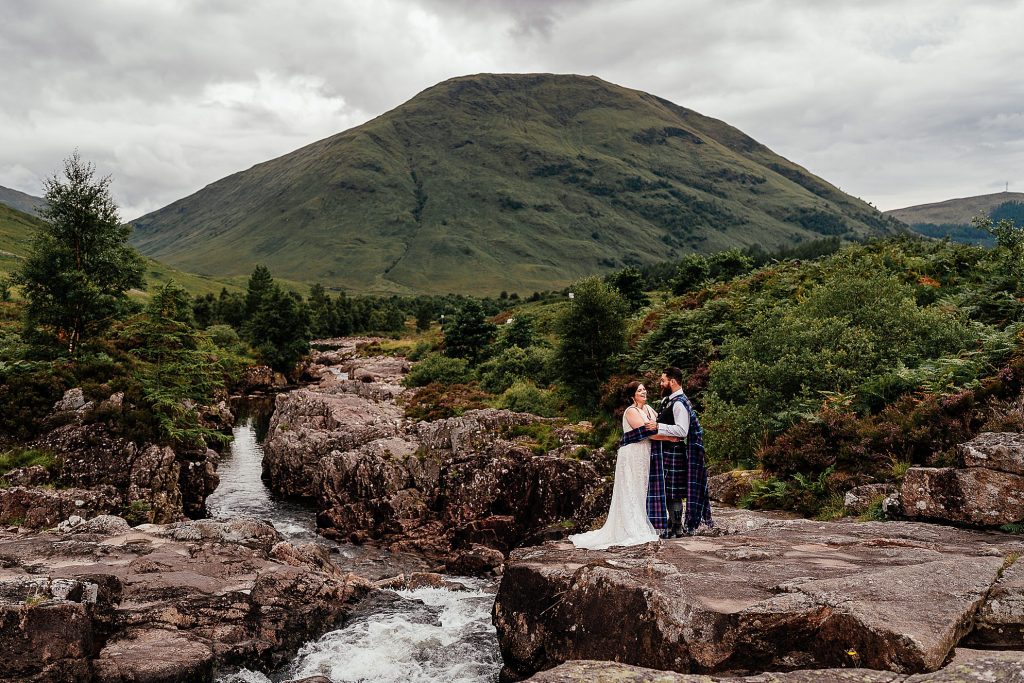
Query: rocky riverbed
102	601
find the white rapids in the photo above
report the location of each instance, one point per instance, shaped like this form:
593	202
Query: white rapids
428	635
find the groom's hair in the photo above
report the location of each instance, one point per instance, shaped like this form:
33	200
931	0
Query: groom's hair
675	373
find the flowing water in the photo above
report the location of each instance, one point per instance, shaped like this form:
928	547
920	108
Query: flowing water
426	635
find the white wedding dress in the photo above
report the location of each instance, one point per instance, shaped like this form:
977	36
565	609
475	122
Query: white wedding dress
627	522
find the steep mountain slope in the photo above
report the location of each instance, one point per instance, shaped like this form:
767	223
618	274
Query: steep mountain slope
17	230
25	203
491	182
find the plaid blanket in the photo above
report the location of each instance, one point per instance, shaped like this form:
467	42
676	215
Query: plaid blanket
698	498
678	471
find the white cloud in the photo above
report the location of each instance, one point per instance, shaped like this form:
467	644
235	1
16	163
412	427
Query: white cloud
896	102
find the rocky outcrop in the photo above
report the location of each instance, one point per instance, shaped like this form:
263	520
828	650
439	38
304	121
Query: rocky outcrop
153	483
310	423
259	378
987	491
1000	451
729	488
767	594
463	490
39	508
105	602
990	668
975	496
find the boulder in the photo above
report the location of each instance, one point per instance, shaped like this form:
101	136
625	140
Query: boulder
858	499
772	595
974	496
310	423
73	401
34	475
729	488
1000	451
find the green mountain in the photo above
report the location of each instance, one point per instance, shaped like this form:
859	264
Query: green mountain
952	218
25	203
17	230
502	182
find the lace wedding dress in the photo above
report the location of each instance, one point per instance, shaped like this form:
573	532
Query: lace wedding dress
627	522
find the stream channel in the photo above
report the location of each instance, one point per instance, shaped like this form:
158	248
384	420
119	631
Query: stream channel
418	636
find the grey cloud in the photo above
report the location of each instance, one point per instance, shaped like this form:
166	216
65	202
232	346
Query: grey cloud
896	102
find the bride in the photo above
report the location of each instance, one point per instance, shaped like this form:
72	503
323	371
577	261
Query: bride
627	522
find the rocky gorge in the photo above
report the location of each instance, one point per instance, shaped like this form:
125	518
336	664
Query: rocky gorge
488	492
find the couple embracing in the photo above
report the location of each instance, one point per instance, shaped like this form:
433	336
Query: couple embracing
660	464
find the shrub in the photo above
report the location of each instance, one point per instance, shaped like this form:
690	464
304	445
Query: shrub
439	401
526	397
500	372
435	368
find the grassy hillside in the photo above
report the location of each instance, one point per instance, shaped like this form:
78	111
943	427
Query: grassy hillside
952	218
954	211
502	182
17	230
25	203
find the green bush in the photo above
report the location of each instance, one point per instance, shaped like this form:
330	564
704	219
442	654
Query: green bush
501	371
525	397
437	368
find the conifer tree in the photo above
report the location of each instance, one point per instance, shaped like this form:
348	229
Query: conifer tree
177	363
77	276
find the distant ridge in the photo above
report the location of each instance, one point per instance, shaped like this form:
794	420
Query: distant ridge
954	211
516	182
25	203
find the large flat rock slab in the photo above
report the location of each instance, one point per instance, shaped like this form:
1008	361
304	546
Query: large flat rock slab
771	594
992	668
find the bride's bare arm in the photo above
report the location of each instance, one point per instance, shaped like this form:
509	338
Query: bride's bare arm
635	418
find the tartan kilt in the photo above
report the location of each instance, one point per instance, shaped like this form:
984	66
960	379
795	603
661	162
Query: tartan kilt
675	462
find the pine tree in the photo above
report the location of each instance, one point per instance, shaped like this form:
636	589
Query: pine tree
177	364
77	276
591	332
258	289
468	333
279	330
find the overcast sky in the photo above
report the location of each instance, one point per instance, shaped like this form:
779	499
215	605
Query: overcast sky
899	103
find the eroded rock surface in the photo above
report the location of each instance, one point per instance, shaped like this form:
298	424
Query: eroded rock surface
769	594
992	668
463	490
161	603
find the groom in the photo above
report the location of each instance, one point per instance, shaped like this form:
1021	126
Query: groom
678	470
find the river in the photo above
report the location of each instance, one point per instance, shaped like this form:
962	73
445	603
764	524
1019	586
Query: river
426	635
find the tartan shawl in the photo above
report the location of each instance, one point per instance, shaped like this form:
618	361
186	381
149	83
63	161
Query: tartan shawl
698	498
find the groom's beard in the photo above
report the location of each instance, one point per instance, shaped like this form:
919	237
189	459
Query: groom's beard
666	391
